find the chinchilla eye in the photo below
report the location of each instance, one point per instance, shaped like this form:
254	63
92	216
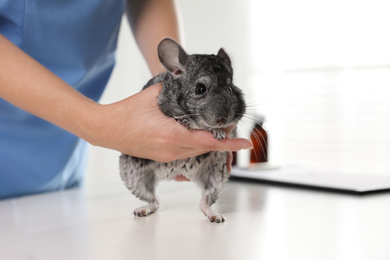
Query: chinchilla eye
200	89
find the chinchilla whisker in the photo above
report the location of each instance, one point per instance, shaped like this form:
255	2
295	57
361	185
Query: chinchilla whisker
161	118
166	120
243	114
248	126
263	102
241	124
256	104
252	118
258	133
254	136
264	152
124	136
252	113
236	121
264	147
253	110
186	116
262	143
145	112
258	137
244	124
136	129
156	121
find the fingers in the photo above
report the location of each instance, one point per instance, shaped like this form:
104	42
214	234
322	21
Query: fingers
205	144
205	141
181	178
229	161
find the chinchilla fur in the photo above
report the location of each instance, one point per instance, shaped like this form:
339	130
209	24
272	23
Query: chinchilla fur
198	92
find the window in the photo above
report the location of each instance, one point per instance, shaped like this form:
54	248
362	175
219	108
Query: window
321	75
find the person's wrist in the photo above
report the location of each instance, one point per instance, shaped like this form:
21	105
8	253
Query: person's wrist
104	124
93	125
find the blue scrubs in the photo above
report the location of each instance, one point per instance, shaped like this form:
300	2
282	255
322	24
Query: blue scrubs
76	40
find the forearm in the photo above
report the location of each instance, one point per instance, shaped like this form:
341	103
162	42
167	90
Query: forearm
151	21
30	86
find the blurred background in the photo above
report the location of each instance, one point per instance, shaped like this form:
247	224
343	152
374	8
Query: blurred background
319	71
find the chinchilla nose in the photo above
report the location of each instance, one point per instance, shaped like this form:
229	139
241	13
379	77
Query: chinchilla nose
221	120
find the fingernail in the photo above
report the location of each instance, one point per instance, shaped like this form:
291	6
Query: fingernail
249	147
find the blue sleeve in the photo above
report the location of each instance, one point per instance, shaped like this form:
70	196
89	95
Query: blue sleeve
77	41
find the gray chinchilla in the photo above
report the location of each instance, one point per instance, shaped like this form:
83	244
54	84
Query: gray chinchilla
198	92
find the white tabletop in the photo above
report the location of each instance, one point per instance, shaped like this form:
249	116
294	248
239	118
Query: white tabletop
264	222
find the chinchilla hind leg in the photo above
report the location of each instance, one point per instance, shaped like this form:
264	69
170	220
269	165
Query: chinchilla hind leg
143	187
147	209
208	199
145	190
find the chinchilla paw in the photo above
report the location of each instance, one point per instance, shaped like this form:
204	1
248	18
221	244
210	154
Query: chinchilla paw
212	215
184	122
217	218
145	210
218	134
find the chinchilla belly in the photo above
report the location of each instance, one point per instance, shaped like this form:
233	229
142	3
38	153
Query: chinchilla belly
196	169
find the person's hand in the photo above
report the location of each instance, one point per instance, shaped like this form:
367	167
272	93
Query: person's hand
136	126
229	161
181	178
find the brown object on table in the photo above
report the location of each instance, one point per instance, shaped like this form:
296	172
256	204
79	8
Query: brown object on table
259	138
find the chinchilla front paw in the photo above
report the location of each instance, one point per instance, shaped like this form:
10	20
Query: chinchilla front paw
183	121
208	198
213	216
218	133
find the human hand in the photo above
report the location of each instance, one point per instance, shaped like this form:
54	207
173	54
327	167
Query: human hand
137	127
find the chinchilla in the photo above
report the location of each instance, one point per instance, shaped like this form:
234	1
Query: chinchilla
198	92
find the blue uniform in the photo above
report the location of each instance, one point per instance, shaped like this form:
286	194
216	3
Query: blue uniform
76	40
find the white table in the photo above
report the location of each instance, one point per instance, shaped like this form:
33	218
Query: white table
264	222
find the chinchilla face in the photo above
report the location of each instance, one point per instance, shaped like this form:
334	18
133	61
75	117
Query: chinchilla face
199	88
209	94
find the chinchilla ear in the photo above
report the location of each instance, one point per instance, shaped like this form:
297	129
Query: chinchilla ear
224	56
172	56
